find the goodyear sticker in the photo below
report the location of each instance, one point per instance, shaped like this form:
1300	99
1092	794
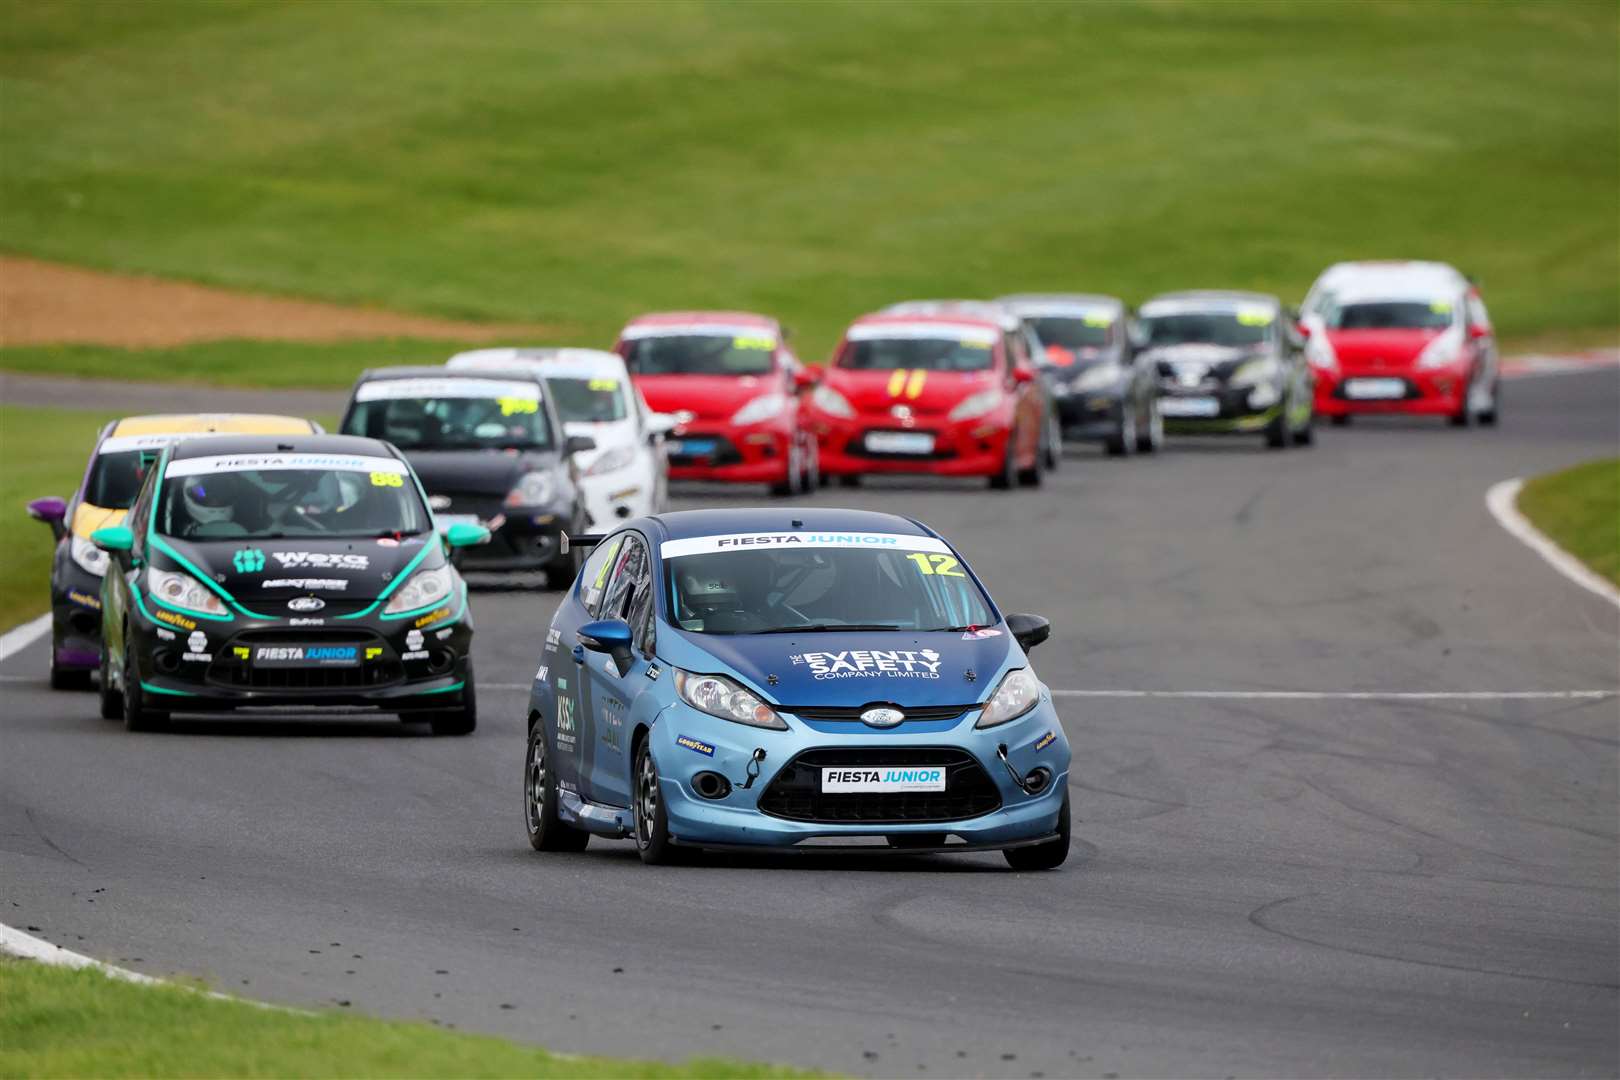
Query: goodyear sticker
1046	740
432	617
174	620
84	599
698	745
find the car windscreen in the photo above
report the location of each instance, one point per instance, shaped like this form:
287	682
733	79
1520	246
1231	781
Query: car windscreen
810	582
916	354
1072	331
1213	327
115	478
451	414
591	401
701	354
1389	315
270	496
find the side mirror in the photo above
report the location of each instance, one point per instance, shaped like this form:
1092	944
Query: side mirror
465	534
805	377
113	538
52	511
578	444
1302	329
1476	331
1021	374
1029	630
661	423
611	636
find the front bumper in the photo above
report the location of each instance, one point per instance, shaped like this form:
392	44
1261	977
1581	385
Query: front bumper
75	616
982	806
1088	416
757	454
1428	392
973	447
1234	409
416	661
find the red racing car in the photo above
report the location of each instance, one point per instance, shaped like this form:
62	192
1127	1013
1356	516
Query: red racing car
946	394
1401	338
733	384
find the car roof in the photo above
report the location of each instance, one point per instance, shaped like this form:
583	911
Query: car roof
681	524
1036	304
430	371
353	445
674	322
943	320
545	361
1004	317
1355	269
1408	289
198	423
1214	299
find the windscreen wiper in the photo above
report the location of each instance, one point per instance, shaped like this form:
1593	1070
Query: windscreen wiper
827	628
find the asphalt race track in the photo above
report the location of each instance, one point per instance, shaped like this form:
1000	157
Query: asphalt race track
1283	886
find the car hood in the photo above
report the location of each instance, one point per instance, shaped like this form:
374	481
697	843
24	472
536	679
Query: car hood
923	391
706	397
1397	346
345	574
477	472
87	519
1192	363
905	669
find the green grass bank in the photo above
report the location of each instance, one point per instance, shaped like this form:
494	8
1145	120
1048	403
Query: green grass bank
574	164
62	1023
1579	509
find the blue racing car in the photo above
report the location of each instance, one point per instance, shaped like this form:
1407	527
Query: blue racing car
770	678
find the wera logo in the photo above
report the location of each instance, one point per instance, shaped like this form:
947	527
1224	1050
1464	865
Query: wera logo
248	560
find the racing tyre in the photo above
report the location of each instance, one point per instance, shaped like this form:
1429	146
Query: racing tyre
1340	420
1277	430
1123	441
1465	415
547	832
112	702
652	826
137	717
462	720
1489	415
812	471
1054	444
1032	476
793	483
1151	441
1047	856
1007	478
1306	435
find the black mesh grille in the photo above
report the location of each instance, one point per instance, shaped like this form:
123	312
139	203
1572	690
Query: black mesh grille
796	794
852	714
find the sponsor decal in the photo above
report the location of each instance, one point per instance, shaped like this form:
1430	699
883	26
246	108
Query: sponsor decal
542	674
320	560
247	560
413	639
241	652
612	724
387	479
871	664
981	632
156	441
964	333
387	541
197	642
925	778
198	657
490	389
1046	740
695	744
553	639
166	635
373	651
653	671
307	583
446	632
307	654
173	619
566	737
432	617
704	545
84	599
730	330
306	622
439	502
305	603
221	463
908	382
414	654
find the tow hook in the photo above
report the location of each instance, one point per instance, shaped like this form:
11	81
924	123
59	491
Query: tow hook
1034	783
753	767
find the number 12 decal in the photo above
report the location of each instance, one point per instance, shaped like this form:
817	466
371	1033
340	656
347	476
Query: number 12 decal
942	565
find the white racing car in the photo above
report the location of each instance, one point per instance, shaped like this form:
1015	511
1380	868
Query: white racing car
627	474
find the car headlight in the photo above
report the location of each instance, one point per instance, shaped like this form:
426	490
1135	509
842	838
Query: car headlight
534	489
976	404
620	457
183	591
719	696
1256	371
1018	693
1099	377
1443	351
831	401
425	588
761	408
91	559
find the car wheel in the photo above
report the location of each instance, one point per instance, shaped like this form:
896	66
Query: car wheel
1054	444
547	832
1047	856
1340	420
1488	416
67	678
137	717
1306	435
812	469
112	701
1277	430
1123	440
1151	441
464	719
1007	478
1465	415
652	826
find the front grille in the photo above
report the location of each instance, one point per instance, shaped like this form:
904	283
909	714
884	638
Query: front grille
724	454
857	448
852	714
795	793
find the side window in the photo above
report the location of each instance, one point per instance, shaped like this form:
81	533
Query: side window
140	511
641	620
628	569
593	576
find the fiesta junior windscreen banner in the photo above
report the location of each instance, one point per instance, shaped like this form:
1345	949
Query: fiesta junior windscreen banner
709	545
440	388
225	463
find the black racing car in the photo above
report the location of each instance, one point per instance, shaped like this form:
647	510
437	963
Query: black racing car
1229	362
490	451
284	570
1102	390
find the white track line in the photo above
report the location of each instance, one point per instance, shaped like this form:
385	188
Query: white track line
16	943
20	637
1502	501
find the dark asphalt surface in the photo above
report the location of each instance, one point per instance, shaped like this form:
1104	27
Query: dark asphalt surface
1272	887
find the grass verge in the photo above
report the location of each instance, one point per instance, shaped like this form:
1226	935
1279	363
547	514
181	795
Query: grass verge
575	163
1579	509
61	1022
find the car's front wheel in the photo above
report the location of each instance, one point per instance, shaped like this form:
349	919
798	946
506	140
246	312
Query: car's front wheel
1123	441
137	716
112	701
1047	856
547	832
652	825
1151	440
464	719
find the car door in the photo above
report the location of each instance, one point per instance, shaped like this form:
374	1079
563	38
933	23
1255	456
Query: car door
609	695
572	745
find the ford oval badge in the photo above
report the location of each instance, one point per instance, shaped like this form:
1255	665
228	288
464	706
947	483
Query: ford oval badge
882	716
439	502
306	603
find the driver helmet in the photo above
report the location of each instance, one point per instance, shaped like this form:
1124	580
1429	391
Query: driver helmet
210	499
707	592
